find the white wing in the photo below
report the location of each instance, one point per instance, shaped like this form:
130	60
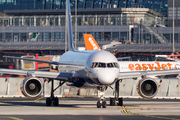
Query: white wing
42	74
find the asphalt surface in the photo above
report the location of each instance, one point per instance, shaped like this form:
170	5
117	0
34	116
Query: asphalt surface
85	109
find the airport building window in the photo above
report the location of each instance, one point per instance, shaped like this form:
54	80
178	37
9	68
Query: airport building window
130	3
16	6
24	6
89	4
63	4
97	4
1	37
80	36
47	36
79	21
80	4
23	37
15	37
38	22
113	3
62	37
56	4
9	5
40	37
57	36
105	4
62	21
40	4
107	36
48	4
8	37
56	21
72	4
122	3
32	6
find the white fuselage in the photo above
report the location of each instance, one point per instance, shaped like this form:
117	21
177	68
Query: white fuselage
95	63
126	66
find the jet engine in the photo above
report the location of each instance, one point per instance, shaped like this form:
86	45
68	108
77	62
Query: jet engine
31	87
147	88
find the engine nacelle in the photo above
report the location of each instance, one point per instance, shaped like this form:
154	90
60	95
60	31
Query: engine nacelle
147	88
31	87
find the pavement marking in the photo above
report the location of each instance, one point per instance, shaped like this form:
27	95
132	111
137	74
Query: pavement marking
38	99
141	109
14	118
153	105
67	109
3	103
125	111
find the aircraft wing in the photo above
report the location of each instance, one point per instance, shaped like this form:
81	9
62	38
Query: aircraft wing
41	74
38	60
126	75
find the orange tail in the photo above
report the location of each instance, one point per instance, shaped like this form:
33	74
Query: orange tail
90	42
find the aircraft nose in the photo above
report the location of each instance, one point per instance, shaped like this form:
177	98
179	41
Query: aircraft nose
106	76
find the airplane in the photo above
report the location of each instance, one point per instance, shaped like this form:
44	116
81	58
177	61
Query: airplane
127	66
97	69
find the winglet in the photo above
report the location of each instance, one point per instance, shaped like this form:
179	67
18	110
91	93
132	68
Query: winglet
69	27
90	42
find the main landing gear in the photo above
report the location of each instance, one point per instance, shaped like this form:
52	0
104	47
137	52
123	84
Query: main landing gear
53	100
102	101
116	98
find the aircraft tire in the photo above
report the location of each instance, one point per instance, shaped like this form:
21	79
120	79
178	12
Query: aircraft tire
120	101
104	104
56	102
112	101
48	102
98	104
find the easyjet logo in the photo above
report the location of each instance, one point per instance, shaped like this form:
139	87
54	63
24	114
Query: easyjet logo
150	67
93	43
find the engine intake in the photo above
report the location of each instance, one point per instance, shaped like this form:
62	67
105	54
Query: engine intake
147	88
31	87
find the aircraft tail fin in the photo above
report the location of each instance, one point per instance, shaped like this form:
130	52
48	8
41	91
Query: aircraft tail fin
69	27
90	42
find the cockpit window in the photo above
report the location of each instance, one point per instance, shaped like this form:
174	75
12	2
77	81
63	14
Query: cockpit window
103	65
110	65
93	65
116	65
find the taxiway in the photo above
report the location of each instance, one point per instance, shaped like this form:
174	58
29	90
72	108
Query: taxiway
85	108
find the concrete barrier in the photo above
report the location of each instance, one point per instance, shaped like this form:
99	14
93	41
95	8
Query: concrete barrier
167	88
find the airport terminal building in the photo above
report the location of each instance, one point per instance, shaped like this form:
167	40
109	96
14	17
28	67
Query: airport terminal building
39	25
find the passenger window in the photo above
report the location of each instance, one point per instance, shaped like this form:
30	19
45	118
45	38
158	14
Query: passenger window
103	65
110	65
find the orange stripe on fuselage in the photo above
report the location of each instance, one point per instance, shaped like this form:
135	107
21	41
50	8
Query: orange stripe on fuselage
90	43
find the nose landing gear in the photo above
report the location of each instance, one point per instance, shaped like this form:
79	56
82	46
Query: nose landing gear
102	101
